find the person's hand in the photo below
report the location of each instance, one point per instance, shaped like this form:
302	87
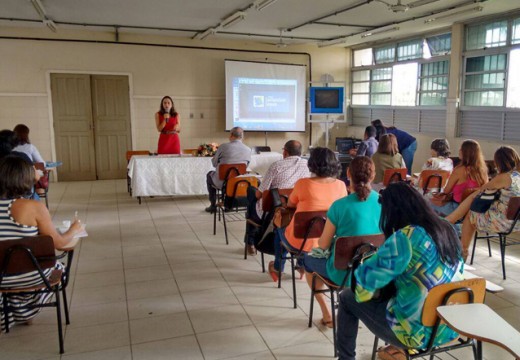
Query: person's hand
166	117
352	152
75	227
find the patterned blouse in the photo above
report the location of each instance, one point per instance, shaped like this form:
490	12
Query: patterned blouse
410	259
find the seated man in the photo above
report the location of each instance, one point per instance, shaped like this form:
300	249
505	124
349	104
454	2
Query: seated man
282	174
233	152
369	145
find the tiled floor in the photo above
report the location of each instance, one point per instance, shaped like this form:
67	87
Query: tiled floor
152	282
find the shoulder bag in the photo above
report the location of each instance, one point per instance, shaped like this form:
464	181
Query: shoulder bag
482	202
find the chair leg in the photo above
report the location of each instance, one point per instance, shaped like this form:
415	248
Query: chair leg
65	306
489	246
46	200
263	262
293	270
225	227
503	254
333	312
5	306
58	315
313	291
474	246
245	248
215	221
282	258
374	349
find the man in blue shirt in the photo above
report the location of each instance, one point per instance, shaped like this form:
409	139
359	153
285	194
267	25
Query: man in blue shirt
368	146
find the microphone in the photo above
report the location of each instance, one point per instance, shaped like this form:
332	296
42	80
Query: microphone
166	115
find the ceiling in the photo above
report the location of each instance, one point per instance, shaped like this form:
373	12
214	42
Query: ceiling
324	23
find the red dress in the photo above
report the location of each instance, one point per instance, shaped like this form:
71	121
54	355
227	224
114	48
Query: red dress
169	143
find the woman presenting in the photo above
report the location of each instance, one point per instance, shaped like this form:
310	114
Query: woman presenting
168	124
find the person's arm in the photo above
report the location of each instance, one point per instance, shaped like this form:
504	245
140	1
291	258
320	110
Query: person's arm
46	227
177	127
293	200
216	158
454	179
501	181
327	235
390	260
158	123
362	149
36	156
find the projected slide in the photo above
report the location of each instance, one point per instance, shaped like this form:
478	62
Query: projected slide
265	97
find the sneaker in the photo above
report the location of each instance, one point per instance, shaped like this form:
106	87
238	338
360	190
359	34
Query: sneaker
211	209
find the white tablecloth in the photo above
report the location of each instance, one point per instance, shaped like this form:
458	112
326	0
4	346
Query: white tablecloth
175	175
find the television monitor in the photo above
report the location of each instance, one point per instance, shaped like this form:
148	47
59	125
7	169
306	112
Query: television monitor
326	100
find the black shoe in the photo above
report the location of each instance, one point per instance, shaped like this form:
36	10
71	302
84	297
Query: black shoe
211	209
228	209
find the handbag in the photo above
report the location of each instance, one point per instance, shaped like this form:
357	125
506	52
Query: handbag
441	199
482	202
283	216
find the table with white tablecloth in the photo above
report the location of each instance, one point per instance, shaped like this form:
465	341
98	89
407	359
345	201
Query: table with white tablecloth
166	175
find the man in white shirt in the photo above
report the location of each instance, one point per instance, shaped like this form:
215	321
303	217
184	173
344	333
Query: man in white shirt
282	174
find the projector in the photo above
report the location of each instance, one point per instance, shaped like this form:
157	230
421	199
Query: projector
399	8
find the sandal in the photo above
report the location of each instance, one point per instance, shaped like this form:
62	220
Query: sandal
273	272
391	352
328	324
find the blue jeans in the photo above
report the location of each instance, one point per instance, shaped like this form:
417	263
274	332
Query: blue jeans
279	250
316	265
445	209
408	154
373	315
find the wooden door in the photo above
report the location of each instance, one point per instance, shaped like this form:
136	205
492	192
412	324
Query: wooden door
74	137
111	117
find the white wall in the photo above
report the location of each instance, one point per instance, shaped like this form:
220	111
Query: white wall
193	77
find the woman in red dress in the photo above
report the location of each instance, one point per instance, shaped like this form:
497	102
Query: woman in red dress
168	124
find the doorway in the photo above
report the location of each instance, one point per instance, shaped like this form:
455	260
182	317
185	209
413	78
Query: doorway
91	125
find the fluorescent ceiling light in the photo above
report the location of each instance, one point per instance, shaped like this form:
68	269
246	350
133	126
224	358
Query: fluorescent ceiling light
338	41
262	4
39	8
460	12
233	19
379	31
50	24
205	34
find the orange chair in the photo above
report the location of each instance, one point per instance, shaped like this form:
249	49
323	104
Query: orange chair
433	180
394	175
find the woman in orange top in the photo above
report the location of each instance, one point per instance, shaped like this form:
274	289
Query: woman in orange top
310	194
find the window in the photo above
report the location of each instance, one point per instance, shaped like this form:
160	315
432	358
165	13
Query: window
433	85
409	50
403	92
439	44
363	57
516	32
361	87
381	86
486	35
384	54
513	87
485	80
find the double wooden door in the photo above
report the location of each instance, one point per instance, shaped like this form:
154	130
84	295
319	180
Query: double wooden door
91	125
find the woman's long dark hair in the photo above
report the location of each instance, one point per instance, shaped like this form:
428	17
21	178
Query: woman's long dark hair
402	205
162	110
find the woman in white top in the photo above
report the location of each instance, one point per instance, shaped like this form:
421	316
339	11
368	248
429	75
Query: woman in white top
25	146
440	160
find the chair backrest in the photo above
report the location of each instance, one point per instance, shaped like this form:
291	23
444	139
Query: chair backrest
467	192
394	175
193	152
267	198
39	166
259	149
15	255
457	292
433	179
227	171
309	224
131	153
236	187
345	248
513	208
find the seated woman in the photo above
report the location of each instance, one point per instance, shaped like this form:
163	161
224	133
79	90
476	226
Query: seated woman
420	252
440	160
470	173
494	220
353	215
21	217
310	194
387	156
24	144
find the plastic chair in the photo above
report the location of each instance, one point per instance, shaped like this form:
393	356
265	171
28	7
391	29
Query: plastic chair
234	192
394	175
433	180
259	149
307	224
458	292
43	183
345	248
129	155
31	254
513	214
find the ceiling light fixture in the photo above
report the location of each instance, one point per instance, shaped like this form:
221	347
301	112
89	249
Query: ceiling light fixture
233	19
205	34
460	12
337	41
38	6
50	24
262	4
379	31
